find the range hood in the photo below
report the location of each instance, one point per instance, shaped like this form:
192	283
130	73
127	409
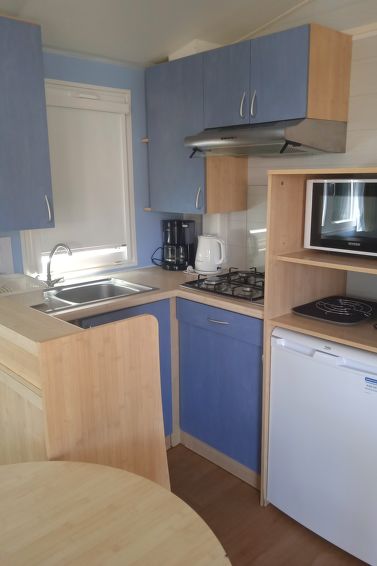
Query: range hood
305	136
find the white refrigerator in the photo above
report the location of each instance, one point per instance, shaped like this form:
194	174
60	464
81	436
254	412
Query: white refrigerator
322	467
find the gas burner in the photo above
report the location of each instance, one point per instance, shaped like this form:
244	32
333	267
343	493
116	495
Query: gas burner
339	310
213	280
248	285
246	291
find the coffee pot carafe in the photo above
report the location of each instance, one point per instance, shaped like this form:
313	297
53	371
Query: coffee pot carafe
178	244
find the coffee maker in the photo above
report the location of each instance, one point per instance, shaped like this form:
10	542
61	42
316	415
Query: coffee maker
178	244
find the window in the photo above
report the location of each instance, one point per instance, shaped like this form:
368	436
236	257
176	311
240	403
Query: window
91	164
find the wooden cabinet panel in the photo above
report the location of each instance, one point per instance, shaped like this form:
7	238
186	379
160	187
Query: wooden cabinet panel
25	179
21	421
226	182
221	380
161	310
329	73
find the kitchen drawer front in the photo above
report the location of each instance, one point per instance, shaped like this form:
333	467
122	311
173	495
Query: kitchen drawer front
227	323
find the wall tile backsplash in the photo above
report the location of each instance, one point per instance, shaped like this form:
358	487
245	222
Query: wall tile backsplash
231	228
244	232
256	224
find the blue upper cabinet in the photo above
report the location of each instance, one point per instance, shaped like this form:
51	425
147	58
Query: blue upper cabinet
227	86
175	110
279	76
301	72
25	178
298	73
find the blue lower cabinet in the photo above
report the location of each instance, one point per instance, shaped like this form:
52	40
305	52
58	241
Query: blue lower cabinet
161	310
221	380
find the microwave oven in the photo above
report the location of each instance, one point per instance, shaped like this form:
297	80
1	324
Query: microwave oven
341	215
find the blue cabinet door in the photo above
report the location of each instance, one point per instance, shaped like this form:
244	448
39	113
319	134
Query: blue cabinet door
221	380
25	179
279	75
161	310
174	111
226	85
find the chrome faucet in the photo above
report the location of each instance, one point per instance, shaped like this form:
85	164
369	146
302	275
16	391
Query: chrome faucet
51	282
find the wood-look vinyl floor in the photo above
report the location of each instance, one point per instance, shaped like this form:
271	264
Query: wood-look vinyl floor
249	533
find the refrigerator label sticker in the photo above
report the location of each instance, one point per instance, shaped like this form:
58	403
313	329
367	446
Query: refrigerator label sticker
370	385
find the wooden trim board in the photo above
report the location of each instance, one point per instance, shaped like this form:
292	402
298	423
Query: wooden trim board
174	344
221	460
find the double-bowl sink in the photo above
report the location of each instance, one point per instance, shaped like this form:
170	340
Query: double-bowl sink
69	296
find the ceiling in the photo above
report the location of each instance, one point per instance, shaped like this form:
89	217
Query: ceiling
146	31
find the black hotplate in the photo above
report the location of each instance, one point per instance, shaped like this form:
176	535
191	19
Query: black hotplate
339	310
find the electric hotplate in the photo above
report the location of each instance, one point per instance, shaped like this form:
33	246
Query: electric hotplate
339	310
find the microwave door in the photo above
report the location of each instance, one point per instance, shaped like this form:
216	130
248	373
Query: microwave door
342	216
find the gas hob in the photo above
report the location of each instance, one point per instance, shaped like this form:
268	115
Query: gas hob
247	285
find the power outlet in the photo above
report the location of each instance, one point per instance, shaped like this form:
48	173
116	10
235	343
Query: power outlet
6	257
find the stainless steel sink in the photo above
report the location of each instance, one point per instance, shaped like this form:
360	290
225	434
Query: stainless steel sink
89	292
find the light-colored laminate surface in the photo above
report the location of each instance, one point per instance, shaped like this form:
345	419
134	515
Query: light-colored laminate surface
356	263
362	335
226	184
60	513
329	66
21	323
102	398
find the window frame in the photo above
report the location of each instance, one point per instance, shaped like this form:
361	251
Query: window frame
88	96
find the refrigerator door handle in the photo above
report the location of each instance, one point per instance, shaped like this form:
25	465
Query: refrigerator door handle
326	358
285	344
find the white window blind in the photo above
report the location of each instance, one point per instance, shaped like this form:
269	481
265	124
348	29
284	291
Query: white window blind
91	165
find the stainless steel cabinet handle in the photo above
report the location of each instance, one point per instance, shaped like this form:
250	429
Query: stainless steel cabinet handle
48	208
197	197
241	105
252	113
218	321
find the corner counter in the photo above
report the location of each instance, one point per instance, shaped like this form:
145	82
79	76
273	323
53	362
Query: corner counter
53	374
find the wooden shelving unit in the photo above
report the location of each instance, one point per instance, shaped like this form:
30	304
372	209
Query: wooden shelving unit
363	335
361	264
295	276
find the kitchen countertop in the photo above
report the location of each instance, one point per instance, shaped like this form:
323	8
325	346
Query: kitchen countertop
20	322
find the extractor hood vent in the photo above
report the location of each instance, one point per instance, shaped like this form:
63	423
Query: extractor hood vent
291	137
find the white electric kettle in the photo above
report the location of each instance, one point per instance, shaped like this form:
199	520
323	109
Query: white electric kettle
210	254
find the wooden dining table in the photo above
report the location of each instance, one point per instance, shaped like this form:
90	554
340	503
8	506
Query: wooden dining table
70	513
